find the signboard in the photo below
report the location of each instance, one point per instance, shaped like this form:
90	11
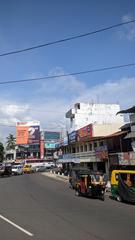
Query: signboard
65	141
72	137
51	136
101	152
28	133
84	132
50	145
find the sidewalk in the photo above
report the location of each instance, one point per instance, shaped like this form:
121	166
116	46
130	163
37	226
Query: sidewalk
56	176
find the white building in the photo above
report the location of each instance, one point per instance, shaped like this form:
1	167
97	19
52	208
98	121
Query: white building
102	116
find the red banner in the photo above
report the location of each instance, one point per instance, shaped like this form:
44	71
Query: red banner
84	132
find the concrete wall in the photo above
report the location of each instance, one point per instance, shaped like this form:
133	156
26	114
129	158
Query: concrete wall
105	129
94	113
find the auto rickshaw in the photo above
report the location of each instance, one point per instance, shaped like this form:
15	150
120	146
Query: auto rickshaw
74	175
90	185
123	185
27	168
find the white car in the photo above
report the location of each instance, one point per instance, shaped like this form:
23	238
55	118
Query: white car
17	169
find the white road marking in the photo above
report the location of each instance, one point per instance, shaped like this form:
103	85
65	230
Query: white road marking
16	226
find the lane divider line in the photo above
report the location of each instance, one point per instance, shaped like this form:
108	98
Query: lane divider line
16	226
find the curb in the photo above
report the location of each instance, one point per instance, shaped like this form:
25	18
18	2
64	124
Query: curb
55	176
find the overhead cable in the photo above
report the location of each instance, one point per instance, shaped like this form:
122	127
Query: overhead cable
68	74
66	39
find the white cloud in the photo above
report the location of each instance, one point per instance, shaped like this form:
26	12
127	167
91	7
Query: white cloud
128	31
120	91
68	84
53	98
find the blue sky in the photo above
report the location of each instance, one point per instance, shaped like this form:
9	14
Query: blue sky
27	23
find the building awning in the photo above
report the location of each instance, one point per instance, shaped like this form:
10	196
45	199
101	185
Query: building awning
116	134
130	135
129	110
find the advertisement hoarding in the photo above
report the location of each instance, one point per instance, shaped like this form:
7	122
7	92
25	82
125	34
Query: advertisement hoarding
84	132
51	136
102	152
33	134
21	135
28	133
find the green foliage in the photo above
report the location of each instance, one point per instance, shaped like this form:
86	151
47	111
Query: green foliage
1	152
10	144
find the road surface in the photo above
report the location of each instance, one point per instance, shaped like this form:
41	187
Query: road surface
40	208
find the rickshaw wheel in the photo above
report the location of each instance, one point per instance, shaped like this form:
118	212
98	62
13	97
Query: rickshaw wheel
77	193
118	198
102	198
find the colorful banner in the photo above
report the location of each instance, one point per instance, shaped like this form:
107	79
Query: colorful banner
33	134
21	135
84	132
102	152
28	133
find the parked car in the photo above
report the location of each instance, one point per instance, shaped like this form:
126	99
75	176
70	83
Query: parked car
17	169
41	169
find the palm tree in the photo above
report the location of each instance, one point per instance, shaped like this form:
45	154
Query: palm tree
1	152
10	144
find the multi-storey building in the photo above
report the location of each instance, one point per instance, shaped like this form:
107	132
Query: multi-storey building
102	116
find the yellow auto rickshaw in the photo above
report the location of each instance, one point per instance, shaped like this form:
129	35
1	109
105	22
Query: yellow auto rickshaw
27	168
123	185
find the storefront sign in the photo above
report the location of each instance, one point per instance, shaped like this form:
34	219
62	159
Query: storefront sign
101	152
50	145
72	137
84	132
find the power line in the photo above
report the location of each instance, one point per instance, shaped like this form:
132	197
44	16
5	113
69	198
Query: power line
14	126
66	39
69	74
7	125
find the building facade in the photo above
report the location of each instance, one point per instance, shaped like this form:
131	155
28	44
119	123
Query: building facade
83	114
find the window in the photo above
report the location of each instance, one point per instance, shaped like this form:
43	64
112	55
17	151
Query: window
101	143
95	144
85	148
73	150
90	147
78	105
77	149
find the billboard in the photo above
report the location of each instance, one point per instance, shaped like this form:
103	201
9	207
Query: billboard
51	136
102	152
84	132
21	135
28	133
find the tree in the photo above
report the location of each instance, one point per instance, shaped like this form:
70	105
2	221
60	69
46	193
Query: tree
1	152
10	144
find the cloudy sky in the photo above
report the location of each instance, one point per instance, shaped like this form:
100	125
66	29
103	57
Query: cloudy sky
27	23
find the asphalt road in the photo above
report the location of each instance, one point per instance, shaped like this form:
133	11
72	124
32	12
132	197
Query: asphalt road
49	210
